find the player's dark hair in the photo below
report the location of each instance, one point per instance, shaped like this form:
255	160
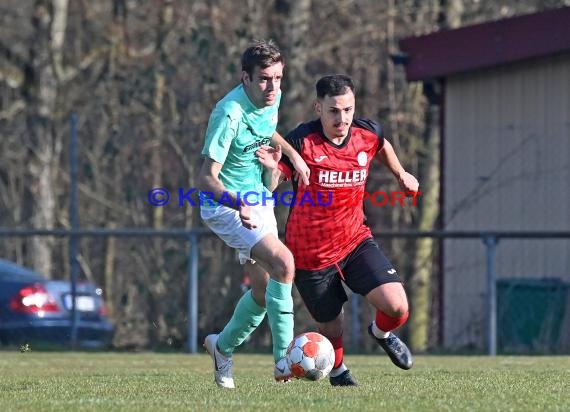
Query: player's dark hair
334	85
262	53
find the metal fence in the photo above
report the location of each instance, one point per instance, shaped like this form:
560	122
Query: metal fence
498	321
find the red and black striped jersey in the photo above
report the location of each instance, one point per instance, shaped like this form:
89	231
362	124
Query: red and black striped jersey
323	227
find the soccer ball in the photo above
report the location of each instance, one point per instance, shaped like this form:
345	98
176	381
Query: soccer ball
310	356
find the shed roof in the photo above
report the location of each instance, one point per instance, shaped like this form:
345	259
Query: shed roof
447	52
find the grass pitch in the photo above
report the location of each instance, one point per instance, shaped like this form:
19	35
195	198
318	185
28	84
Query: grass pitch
35	381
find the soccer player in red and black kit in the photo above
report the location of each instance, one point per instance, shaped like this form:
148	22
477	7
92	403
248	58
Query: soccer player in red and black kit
327	234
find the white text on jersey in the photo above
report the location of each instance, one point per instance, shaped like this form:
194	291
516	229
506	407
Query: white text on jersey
351	176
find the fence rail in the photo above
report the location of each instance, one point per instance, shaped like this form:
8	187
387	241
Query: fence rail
489	238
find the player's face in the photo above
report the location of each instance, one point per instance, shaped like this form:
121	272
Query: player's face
264	84
336	113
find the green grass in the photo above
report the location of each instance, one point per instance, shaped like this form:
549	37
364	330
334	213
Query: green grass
57	381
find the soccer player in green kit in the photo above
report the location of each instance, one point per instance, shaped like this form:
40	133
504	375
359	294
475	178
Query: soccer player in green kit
243	121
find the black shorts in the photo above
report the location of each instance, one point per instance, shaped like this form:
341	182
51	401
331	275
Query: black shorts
364	269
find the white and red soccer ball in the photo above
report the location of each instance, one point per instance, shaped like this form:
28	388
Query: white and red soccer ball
310	356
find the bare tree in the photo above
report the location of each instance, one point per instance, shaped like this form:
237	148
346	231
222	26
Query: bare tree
45	71
143	78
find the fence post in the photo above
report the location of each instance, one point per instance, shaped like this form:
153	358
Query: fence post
491	244
193	292
74	221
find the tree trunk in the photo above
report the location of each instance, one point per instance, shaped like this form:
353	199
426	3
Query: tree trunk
422	281
423	265
49	23
297	86
391	82
159	287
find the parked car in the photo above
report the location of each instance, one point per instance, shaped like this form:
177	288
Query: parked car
34	309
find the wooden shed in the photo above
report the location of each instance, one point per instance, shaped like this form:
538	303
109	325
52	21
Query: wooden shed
505	166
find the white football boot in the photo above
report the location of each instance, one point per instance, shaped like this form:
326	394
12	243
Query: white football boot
222	364
282	371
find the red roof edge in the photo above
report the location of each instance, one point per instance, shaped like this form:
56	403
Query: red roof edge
488	44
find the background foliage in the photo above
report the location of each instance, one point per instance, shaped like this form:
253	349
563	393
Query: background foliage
142	77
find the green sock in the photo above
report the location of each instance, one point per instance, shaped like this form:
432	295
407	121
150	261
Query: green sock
246	318
280	315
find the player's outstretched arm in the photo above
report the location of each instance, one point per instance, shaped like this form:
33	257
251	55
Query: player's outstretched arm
388	157
299	164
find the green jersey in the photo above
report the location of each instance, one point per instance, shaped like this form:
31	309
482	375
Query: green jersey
236	129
